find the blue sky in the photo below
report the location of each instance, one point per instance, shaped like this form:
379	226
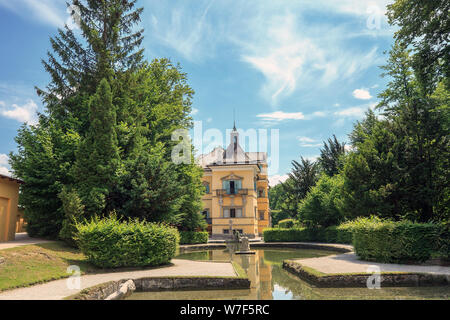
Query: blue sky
309	68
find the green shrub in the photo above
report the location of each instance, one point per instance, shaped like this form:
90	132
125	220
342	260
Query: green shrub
193	237
286	223
387	241
73	210
334	234
109	243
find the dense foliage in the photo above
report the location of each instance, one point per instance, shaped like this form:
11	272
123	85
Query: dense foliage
106	133
320	206
388	241
286	223
340	234
193	237
109	243
397	166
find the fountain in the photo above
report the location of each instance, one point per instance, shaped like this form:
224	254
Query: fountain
244	245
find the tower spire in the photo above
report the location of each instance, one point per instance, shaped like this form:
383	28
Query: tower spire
234	119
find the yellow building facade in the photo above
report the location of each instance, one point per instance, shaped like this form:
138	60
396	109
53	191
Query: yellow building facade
9	199
236	186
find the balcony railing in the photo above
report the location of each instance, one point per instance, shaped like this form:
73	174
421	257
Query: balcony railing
222	192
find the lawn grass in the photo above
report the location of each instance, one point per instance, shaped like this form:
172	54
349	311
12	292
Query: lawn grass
32	264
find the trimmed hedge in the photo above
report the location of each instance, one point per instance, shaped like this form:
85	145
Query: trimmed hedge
109	243
339	234
376	240
387	241
193	237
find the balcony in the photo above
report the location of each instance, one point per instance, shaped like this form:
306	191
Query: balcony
223	192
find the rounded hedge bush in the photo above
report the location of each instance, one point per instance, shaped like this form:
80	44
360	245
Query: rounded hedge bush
193	237
110	243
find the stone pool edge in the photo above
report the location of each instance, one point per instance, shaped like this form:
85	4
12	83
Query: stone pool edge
340	248
117	290
358	280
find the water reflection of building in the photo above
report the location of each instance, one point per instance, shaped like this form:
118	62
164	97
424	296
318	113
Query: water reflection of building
259	273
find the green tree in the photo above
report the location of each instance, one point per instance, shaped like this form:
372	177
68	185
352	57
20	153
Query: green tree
425	25
105	108
320	207
74	212
97	158
302	178
331	156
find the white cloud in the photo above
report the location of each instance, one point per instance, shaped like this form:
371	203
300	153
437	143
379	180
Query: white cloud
194	111
354	112
292	55
276	179
362	94
4	165
25	113
179	27
308	142
52	12
3	159
209	120
280	116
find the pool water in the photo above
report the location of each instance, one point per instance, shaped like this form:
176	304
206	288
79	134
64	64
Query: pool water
270	281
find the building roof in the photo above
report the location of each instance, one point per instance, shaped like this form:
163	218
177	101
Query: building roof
234	154
2	176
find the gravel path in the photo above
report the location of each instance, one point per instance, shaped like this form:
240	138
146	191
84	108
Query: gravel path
58	289
349	263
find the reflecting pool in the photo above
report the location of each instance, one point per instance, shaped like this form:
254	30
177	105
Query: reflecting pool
270	281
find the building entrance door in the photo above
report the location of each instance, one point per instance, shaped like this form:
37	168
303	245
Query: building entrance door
4	221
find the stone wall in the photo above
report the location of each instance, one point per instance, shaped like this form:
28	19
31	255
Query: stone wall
116	290
360	280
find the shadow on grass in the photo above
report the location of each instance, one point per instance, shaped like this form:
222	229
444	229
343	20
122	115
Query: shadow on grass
73	256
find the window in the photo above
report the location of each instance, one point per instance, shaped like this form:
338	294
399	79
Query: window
206	214
226	231
232	186
240	231
261	193
261	215
206	185
232	212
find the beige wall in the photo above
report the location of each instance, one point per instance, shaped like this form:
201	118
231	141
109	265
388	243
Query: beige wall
249	222
9	197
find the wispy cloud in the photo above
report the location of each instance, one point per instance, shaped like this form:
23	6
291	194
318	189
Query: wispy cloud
354	112
179	27
51	12
292	55
308	142
22	113
362	94
281	116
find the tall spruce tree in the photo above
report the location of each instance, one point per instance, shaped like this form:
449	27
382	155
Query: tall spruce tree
105	108
331	156
302	178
